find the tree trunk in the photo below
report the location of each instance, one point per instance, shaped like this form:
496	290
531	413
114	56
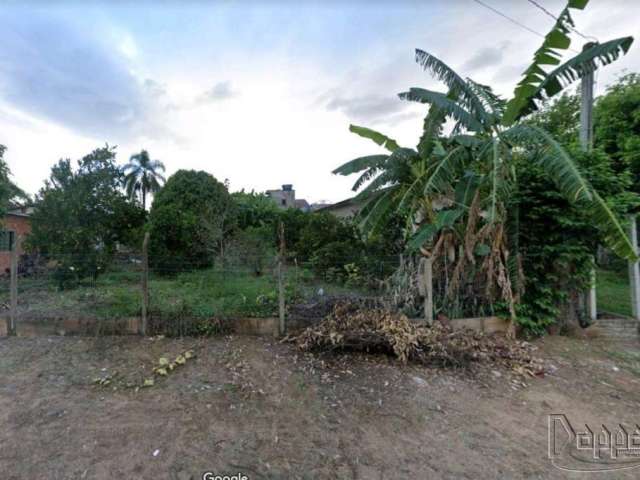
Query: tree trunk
571	312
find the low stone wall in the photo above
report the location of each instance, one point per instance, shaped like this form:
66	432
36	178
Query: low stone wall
269	325
241	326
72	326
131	326
482	324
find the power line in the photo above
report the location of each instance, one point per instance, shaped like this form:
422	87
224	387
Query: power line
514	21
543	9
548	13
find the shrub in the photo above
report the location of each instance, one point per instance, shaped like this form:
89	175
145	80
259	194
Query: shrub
81	214
189	218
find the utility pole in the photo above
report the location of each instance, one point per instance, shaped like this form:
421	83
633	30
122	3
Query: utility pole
586	108
586	142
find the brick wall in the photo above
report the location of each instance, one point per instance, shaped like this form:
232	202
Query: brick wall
19	224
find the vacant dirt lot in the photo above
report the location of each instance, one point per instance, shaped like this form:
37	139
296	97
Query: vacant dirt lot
255	406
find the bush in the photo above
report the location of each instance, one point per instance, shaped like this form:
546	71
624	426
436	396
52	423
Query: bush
252	248
81	214
188	222
558	241
331	247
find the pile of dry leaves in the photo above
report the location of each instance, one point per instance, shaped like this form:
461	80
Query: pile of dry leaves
351	328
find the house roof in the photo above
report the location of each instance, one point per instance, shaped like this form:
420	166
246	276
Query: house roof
301	203
20	211
343	203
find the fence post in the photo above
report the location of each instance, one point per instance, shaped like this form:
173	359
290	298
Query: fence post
634	270
145	284
281	305
13	314
428	283
425	287
593	304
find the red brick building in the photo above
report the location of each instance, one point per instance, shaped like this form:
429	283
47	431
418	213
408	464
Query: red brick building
16	222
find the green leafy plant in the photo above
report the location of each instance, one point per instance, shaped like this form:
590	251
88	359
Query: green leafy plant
142	176
81	214
456	192
183	221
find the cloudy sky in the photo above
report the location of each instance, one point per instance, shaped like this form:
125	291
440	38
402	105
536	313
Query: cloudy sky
260	92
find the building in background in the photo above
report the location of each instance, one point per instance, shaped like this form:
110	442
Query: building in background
16	222
286	198
345	209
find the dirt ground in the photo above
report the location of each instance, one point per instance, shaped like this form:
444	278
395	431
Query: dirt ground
255	406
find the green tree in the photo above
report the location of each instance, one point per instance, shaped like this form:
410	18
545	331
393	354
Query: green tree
9	191
6	190
80	215
255	210
557	239
561	118
456	193
184	214
617	125
142	176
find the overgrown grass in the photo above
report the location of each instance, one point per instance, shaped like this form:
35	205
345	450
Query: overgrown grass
613	294
117	294
195	294
626	359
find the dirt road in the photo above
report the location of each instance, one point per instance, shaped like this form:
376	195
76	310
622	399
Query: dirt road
254	406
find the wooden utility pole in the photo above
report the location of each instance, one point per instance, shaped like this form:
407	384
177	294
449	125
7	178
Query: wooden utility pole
13	313
145	285
586	142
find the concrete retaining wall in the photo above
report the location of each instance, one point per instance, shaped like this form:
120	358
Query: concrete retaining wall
482	324
241	326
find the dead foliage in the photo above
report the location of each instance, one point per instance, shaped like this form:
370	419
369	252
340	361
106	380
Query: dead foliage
350	328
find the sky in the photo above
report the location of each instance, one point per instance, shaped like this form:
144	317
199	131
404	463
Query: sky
261	93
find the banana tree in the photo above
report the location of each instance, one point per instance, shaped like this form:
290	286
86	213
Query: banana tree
454	191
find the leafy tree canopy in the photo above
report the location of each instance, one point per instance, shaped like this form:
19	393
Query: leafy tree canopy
617	125
81	214
142	176
255	209
5	183
9	191
179	235
458	193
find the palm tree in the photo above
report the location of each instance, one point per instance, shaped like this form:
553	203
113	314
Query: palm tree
455	192
142	176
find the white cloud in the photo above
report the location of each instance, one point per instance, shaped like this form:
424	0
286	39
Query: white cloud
220	91
287	104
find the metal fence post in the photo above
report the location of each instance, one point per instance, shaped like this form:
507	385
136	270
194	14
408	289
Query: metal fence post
145	284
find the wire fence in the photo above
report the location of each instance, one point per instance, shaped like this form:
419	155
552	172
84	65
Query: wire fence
127	291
